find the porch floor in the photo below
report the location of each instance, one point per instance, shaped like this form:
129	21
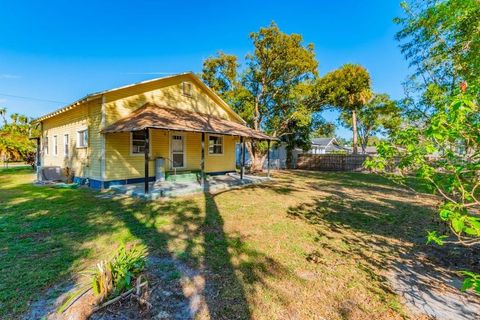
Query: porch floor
173	189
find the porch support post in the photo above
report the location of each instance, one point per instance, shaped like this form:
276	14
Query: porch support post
146	147
242	159
202	162
268	158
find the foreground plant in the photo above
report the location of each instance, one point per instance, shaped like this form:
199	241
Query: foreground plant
445	152
121	271
110	279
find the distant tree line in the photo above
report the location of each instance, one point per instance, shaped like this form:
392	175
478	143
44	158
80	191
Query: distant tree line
279	90
15	142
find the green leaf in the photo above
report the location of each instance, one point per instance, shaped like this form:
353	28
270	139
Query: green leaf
444	214
458	225
432	236
467	284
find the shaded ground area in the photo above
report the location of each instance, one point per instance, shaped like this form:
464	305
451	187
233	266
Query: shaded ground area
383	228
305	246
161	189
175	291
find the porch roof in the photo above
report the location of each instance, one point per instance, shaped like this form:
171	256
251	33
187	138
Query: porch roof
157	116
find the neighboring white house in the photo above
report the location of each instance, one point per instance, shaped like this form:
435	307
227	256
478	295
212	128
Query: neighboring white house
326	145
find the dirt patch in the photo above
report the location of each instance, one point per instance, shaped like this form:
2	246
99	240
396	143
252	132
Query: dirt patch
46	306
175	291
433	291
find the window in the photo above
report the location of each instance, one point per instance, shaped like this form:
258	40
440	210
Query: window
55	146
66	145
82	138
45	145
215	145
187	89
138	142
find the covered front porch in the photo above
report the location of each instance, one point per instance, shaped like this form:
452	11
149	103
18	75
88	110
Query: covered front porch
183	141
161	189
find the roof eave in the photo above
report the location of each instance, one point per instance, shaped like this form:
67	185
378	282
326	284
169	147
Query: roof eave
96	95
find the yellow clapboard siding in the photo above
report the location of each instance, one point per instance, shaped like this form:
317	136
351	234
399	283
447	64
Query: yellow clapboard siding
70	122
224	162
121	164
95	139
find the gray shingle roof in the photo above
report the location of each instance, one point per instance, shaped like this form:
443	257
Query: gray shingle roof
323	142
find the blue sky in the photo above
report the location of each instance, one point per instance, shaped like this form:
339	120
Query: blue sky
62	50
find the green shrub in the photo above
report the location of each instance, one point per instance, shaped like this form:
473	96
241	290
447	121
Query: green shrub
112	278
115	277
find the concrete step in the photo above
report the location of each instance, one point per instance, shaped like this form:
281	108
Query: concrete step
183	176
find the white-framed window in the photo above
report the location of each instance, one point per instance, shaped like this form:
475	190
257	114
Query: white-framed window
137	145
45	145
55	146
215	144
187	89
66	145
82	138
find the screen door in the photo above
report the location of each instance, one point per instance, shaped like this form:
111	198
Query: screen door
178	151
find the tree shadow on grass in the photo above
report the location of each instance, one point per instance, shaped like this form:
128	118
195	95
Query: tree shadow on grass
42	232
226	298
384	231
179	230
234	268
197	238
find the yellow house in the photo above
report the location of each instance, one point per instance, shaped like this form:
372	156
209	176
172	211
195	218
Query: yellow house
118	135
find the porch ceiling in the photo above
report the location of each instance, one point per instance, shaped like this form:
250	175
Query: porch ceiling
161	117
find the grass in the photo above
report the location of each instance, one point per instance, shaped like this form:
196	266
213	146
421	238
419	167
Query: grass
306	245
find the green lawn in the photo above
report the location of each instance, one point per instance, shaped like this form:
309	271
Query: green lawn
308	244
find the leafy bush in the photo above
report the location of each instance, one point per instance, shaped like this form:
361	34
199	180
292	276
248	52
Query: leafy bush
445	152
114	277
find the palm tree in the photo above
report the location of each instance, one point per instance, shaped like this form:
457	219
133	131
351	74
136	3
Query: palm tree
14	117
3	113
22	119
348	89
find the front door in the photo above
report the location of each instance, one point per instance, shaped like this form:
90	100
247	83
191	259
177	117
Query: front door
178	150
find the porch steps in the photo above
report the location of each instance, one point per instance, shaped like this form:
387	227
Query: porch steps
183	176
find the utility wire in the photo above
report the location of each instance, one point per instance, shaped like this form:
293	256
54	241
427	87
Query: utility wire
31	98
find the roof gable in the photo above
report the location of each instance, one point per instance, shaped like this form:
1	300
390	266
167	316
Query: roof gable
159	83
322	142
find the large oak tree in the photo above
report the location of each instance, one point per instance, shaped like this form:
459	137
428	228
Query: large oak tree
271	92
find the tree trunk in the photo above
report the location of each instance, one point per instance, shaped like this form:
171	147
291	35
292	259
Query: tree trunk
257	163
256	157
364	145
355	131
289	158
